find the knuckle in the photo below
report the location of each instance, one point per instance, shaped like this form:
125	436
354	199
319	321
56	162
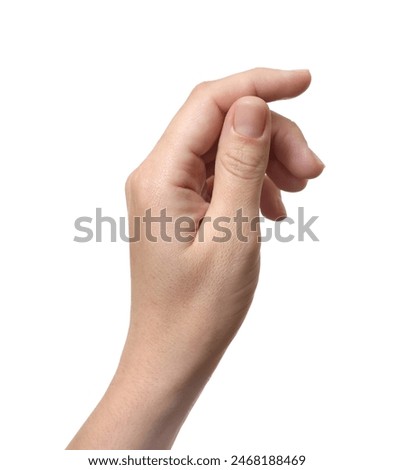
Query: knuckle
290	133
242	163
291	130
138	186
201	88
131	182
293	126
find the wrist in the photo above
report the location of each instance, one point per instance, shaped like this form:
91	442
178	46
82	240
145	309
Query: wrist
157	391
169	365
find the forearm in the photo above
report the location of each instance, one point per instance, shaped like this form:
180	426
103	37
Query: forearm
146	403
130	417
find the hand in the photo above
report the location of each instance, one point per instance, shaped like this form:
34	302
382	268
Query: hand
223	151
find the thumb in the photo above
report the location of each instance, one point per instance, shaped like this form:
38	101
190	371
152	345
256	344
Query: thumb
242	158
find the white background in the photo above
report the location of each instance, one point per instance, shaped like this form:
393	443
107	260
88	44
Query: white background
86	88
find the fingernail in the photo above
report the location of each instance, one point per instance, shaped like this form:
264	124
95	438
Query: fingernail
317	158
250	117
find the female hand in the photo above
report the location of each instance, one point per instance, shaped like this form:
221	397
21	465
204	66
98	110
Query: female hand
224	156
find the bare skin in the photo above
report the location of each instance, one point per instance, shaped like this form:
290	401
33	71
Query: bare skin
224	150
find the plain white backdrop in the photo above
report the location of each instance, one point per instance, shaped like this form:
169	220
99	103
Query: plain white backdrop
86	89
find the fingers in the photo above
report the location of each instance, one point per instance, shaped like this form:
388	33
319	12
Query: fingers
291	161
242	158
197	126
291	149
268	84
189	151
271	203
282	177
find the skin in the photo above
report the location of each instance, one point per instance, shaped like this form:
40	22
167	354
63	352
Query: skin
224	150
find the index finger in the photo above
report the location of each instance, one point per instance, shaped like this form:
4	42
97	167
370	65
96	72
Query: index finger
197	125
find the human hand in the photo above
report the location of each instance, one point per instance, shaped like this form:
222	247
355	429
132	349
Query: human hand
189	298
223	151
